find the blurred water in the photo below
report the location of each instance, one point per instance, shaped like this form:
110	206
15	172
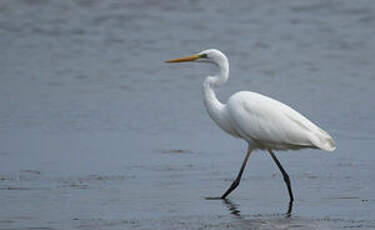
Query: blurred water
97	132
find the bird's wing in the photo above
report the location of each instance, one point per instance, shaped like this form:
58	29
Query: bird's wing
273	123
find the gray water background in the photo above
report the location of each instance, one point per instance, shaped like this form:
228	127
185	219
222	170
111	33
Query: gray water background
97	132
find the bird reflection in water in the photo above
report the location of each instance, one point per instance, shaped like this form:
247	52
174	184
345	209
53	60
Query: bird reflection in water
233	208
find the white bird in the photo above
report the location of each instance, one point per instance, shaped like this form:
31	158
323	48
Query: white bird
263	122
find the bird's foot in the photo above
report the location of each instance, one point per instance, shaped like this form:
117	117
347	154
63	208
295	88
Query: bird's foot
214	198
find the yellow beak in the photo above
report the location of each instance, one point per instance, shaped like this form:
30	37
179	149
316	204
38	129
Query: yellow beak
183	59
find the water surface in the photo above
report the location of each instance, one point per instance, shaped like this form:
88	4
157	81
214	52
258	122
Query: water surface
97	132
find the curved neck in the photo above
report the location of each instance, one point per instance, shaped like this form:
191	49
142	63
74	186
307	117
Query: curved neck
221	77
213	105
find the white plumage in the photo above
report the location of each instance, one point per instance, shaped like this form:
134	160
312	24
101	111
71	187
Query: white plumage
271	124
263	122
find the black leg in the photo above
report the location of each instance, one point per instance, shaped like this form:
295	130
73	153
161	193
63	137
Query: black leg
236	182
285	175
290	207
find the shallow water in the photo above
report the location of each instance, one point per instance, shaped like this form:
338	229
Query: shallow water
97	132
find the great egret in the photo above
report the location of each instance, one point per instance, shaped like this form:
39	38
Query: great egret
263	122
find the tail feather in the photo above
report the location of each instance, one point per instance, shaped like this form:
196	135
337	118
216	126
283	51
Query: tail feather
323	140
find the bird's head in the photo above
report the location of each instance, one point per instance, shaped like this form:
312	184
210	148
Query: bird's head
212	56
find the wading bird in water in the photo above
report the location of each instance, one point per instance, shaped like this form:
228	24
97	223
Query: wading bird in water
263	122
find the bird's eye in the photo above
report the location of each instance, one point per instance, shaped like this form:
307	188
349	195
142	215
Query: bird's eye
203	56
